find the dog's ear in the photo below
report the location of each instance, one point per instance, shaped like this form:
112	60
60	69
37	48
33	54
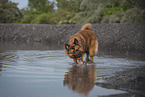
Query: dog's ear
76	41
66	46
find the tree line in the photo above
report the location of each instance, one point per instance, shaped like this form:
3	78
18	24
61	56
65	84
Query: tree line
73	11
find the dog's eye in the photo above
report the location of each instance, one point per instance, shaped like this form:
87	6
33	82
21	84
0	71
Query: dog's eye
77	49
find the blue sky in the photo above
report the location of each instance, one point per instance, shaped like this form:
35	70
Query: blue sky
22	3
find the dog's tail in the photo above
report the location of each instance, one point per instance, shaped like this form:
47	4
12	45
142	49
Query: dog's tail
86	27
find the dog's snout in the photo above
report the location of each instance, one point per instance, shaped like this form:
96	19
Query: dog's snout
71	55
78	55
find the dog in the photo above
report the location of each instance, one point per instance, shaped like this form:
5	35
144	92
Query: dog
82	42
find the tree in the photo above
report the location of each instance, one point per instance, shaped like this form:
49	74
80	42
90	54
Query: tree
41	5
90	11
69	5
111	11
9	12
66	10
39	12
134	15
44	18
42	11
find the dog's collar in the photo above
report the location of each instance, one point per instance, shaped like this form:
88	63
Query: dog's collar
79	58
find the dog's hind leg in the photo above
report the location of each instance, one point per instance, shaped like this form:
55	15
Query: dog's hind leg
91	52
91	58
93	49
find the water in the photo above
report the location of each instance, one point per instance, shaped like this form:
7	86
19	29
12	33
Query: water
50	73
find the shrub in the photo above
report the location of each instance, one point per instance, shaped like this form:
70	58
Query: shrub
134	15
44	18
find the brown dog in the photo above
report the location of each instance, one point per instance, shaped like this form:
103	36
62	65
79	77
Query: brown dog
82	42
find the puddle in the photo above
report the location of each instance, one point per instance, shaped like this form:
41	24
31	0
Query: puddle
50	73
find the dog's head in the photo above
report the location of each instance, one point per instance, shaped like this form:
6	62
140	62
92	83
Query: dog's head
74	50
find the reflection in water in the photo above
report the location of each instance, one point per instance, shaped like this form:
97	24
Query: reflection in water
33	73
81	79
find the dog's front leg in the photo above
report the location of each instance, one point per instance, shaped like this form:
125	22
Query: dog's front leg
75	60
79	61
82	58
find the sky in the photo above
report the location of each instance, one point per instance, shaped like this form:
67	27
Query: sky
22	3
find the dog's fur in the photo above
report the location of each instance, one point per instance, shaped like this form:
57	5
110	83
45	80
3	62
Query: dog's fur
82	42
